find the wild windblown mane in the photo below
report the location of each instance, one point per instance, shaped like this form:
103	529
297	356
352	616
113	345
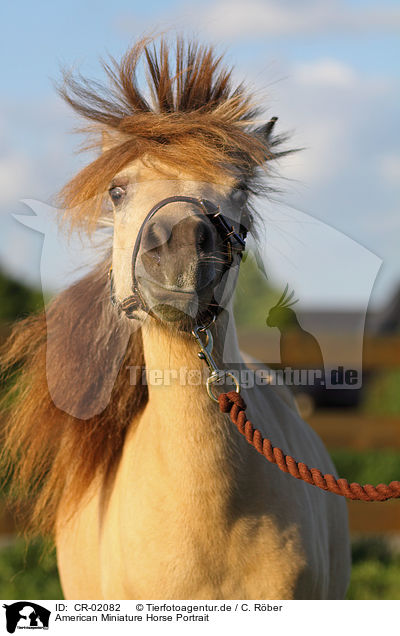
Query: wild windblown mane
194	120
44	448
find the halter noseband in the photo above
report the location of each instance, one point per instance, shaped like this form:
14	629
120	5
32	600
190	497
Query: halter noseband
235	242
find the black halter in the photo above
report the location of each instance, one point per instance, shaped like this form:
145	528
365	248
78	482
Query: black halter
235	242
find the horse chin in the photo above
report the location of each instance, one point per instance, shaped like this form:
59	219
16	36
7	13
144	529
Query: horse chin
180	310
174	317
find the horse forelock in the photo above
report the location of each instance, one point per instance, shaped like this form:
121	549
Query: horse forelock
188	116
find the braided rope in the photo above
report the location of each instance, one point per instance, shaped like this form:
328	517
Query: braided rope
234	404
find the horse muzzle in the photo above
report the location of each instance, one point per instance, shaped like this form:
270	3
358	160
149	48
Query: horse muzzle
179	258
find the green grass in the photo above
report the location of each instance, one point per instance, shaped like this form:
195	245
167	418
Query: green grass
376	568
372	579
375	572
28	571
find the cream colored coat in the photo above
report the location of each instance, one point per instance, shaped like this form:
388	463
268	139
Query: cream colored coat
193	511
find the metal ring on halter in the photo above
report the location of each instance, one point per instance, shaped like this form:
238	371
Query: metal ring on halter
216	377
208	325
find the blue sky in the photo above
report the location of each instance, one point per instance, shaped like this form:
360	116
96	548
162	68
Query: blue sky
329	70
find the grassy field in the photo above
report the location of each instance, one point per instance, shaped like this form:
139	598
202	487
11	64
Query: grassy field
25	573
376	570
28	571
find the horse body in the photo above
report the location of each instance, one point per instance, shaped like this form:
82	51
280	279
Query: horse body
192	511
151	491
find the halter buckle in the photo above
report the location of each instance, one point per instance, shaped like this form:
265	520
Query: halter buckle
216	375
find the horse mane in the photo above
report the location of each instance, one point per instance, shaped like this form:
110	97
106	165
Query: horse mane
193	121
44	448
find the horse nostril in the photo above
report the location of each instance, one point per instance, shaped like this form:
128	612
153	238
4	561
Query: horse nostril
156	235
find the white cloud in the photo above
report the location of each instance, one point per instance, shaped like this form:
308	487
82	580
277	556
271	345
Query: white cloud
312	106
35	159
16	174
328	72
317	161
389	168
330	110
235	18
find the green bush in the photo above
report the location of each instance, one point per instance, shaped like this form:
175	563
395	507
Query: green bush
369	466
254	294
17	300
374	580
383	394
375	572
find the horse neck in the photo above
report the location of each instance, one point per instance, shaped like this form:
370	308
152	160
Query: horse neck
195	437
167	352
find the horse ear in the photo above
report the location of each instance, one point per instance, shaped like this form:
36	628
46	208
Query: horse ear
265	131
86	344
273	143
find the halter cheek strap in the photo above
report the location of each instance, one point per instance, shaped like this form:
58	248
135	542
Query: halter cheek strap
234	240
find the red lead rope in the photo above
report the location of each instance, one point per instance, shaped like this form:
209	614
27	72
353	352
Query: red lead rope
234	404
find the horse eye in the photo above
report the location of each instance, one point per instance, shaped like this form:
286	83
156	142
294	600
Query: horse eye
117	193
